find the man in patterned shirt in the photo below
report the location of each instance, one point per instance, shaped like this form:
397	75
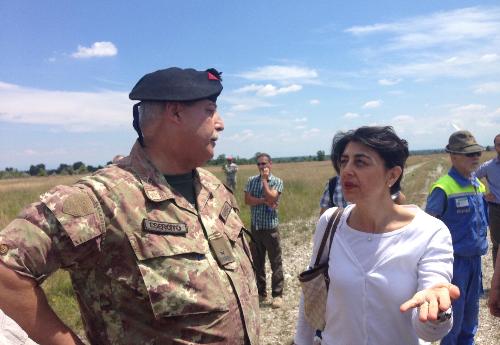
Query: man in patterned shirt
262	193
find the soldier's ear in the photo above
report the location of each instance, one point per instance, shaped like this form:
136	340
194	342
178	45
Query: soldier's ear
172	111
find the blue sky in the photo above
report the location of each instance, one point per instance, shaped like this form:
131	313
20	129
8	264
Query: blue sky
295	72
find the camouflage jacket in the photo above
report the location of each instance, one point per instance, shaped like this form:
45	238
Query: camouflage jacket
139	256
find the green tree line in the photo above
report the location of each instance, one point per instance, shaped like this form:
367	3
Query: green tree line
79	168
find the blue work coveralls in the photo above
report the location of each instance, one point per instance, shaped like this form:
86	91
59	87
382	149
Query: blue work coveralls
459	203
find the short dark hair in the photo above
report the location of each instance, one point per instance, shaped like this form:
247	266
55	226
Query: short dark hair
262	154
494	139
382	139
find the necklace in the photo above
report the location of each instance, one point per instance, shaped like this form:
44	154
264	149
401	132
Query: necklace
370	235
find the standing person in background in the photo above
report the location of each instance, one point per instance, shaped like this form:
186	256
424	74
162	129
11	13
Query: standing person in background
494	298
458	200
262	193
491	171
154	244
333	196
390	265
230	169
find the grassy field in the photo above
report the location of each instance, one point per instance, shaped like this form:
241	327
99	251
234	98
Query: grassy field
304	184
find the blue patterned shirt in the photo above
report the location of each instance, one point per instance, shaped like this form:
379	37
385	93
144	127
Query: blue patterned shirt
263	217
338	196
491	170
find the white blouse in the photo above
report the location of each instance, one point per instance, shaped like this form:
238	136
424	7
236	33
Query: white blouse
373	274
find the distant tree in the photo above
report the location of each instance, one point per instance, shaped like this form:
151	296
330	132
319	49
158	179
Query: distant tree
64	169
37	170
79	168
78	165
320	155
221	159
32	170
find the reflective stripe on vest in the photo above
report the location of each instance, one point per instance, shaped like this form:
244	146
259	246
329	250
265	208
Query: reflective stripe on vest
464	215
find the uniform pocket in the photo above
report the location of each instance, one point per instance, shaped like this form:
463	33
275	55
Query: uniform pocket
235	231
178	277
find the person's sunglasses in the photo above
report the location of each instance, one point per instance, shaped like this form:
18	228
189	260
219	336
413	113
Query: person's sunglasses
472	154
261	164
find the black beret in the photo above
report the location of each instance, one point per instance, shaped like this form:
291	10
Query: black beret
177	84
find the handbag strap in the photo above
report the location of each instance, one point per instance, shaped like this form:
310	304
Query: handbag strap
331	227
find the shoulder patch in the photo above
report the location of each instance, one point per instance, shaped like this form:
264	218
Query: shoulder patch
78	205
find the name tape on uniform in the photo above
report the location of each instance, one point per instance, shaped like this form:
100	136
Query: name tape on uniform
226	210
164	227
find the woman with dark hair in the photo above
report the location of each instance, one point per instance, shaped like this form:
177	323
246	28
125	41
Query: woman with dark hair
390	265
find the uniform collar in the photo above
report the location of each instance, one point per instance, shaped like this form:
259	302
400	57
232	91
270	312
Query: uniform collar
155	185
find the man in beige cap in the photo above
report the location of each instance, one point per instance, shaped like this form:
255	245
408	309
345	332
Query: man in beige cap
230	169
458	200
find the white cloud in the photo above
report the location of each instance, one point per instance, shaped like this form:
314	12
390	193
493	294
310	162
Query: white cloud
7	86
72	111
281	73
372	104
314	101
457	27
310	133
461	43
433	130
238	104
351	115
244	135
269	90
493	87
389	82
489	57
97	49
301	120
30	152
466	65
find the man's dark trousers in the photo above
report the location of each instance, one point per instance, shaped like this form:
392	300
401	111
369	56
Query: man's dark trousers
267	240
494	215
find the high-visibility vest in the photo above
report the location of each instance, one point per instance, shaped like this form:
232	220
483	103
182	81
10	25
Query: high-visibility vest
464	215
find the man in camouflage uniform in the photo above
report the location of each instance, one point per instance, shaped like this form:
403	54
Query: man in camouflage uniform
154	244
230	169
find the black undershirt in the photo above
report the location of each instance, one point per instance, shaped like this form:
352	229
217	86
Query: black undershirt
183	184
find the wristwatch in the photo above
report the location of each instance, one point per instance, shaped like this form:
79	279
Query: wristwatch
444	315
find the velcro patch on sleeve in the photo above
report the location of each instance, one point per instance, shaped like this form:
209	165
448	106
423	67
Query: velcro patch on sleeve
78	205
164	228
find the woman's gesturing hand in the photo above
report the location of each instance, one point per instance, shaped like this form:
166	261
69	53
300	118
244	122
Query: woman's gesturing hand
432	301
